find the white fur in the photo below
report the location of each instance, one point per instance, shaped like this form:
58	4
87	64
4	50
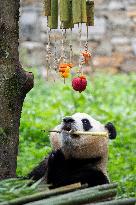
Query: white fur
66	141
83	146
97	126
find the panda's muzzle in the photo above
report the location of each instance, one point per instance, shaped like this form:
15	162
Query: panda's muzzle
67	123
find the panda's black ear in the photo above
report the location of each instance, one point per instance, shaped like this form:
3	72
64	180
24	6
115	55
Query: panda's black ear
112	130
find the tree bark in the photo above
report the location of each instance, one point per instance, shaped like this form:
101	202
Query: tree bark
14	85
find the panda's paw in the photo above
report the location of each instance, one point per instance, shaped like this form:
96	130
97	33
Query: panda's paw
56	158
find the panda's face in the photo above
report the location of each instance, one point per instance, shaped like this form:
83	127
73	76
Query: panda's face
81	122
82	146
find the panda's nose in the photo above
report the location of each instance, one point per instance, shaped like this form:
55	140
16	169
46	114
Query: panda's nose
68	120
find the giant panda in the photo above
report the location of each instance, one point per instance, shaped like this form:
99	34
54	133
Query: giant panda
75	158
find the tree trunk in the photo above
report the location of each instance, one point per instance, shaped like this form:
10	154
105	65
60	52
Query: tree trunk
14	84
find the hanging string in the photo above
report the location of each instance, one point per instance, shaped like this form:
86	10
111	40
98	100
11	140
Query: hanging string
62	58
80	45
48	51
62	45
86	44
55	66
70	47
65	44
91	62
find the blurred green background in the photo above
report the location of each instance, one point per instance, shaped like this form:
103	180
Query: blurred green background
107	98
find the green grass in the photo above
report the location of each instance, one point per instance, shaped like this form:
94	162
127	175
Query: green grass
109	98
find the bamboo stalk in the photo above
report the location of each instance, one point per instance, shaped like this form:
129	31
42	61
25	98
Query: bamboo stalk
61	190
43	195
102	187
53	19
102	134
57	131
78	197
131	201
47	7
105	186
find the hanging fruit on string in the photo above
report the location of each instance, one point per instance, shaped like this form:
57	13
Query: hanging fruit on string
65	74
64	69
71	13
79	83
87	56
86	53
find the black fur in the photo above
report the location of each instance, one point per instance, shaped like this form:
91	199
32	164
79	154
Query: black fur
112	130
68	120
39	171
86	124
62	172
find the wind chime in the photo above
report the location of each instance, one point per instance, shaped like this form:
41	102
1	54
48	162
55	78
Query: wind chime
71	12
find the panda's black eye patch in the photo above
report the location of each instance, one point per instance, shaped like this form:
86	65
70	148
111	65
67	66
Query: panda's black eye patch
86	124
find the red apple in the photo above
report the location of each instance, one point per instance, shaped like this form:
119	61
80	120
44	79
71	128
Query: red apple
79	83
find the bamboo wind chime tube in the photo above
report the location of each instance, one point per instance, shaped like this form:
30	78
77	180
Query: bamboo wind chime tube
76	11
69	23
79	11
66	14
90	13
84	13
53	19
64	11
47	7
